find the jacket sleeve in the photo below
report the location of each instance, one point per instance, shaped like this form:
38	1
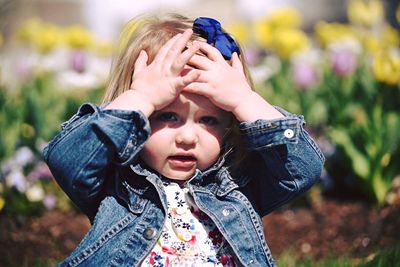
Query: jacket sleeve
84	154
284	161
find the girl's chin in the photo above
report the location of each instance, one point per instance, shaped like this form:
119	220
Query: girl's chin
178	175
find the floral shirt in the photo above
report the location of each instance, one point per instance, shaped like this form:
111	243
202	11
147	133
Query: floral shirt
189	237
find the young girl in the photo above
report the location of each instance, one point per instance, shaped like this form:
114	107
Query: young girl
182	160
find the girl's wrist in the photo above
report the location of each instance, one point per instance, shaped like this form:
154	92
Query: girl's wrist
132	100
253	107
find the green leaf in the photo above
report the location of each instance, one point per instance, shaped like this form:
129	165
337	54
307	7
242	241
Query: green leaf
359	162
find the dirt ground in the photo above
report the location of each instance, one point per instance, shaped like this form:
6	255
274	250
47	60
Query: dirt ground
334	228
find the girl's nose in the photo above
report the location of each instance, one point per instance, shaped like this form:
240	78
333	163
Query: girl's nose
186	135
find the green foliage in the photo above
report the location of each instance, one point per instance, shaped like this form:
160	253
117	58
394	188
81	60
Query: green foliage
382	258
360	116
9	124
18	205
34	113
30	116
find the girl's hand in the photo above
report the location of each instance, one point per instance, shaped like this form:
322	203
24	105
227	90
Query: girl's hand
156	85
227	87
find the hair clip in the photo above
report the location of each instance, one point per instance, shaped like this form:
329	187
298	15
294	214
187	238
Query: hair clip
211	30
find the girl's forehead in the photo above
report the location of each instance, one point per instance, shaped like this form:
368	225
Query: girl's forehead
194	102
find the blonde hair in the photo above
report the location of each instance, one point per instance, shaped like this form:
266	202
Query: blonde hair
150	33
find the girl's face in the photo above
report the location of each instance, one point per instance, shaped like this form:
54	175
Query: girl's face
186	135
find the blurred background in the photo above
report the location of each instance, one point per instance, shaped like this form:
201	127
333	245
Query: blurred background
337	62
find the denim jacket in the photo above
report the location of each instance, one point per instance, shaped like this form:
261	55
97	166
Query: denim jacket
95	161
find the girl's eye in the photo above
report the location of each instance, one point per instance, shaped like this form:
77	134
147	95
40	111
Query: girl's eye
209	120
167	117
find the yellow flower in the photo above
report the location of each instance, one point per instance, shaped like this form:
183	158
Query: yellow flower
46	38
2	203
27	32
390	36
264	29
27	130
78	37
42	36
372	44
398	13
287	42
287	17
263	33
386	67
365	12
103	48
327	33
240	31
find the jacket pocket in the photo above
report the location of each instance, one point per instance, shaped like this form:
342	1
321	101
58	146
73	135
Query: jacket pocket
110	220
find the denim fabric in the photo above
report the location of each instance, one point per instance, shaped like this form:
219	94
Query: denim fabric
94	159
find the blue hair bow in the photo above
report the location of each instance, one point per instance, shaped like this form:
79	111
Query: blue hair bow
211	30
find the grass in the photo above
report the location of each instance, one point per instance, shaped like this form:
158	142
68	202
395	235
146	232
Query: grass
382	258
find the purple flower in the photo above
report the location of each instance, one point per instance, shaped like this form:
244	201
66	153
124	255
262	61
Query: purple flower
344	62
50	201
304	75
78	61
24	70
252	56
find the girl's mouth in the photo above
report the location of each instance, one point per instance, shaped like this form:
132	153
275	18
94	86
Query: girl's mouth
182	161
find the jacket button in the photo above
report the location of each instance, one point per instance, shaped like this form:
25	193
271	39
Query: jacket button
149	233
136	206
288	133
226	212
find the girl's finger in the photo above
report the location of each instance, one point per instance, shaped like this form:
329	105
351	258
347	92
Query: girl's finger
211	52
198	88
188	78
161	54
141	61
200	62
179	44
236	63
184	58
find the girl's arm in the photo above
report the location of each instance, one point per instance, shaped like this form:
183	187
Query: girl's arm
83	155
284	161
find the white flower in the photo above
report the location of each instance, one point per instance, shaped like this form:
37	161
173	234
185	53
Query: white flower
312	57
349	44
35	193
71	80
16	179
23	156
270	66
